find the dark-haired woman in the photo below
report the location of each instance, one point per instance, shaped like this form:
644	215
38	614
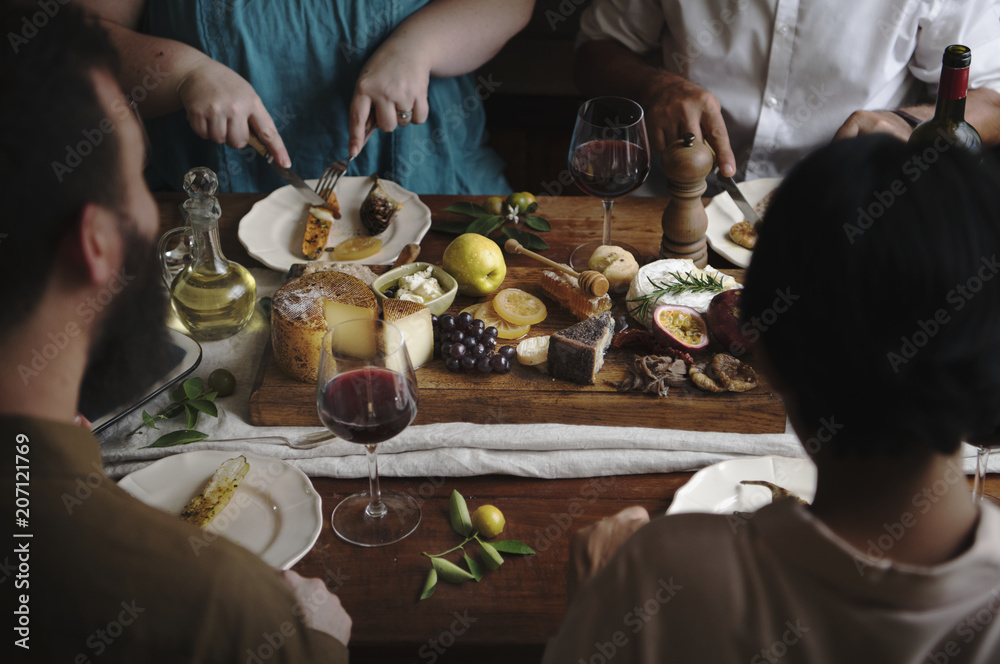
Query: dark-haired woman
886	359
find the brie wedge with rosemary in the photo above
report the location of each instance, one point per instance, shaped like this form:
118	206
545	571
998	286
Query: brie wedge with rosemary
662	273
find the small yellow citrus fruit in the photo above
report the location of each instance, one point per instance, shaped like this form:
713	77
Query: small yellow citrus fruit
494	205
522	200
488	521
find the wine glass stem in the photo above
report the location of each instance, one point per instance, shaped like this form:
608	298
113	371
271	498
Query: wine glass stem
376	508
982	463
606	239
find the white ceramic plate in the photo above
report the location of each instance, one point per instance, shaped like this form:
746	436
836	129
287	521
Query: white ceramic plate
272	230
717	489
274	513
723	213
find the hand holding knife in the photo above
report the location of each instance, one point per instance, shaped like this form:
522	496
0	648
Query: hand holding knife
287	174
292	178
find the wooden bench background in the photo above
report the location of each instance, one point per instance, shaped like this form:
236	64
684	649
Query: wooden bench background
530	116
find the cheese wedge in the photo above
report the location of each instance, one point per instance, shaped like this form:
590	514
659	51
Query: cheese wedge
414	320
305	308
318	227
577	353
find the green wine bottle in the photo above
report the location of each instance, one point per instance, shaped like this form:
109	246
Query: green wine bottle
948	124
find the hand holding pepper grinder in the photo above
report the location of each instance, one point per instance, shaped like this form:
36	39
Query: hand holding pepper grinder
686	163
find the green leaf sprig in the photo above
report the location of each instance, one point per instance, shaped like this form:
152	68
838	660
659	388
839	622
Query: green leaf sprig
684	282
486	223
489	552
191	399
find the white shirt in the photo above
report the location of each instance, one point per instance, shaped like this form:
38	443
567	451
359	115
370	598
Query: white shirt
788	73
781	587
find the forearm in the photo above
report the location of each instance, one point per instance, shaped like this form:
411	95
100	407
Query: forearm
457	36
673	105
982	111
605	67
154	65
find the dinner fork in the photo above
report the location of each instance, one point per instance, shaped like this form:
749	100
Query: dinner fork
306	442
331	176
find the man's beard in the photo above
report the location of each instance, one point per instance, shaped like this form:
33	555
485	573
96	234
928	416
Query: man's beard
131	348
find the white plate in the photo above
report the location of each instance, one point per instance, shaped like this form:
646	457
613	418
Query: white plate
274	513
717	489
723	213
273	228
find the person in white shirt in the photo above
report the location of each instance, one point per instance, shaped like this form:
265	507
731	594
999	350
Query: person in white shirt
765	81
886	360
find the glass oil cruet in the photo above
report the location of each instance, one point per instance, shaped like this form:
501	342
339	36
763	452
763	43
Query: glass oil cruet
213	297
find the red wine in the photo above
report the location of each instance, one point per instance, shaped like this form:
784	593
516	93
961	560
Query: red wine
992	440
609	169
367	406
949	122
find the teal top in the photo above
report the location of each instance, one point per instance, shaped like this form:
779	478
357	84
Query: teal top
303	58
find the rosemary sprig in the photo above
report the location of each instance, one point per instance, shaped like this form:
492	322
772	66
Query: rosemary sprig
684	282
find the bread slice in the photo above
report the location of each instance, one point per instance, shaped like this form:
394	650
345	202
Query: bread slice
318	227
577	353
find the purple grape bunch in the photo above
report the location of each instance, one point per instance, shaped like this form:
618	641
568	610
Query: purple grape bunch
468	344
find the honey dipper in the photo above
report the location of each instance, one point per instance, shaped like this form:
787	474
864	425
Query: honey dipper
592	283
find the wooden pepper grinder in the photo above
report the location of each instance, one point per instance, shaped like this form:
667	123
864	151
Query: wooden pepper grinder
686	164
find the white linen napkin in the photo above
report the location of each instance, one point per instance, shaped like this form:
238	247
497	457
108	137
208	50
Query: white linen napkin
435	450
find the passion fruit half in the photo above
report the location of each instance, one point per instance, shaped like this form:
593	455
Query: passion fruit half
680	327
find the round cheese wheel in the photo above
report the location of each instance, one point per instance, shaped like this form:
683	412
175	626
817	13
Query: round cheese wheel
305	308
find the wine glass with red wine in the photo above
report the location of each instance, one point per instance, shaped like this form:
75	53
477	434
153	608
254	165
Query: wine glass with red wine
366	393
984	445
608	159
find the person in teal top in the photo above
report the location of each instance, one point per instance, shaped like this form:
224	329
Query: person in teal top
304	75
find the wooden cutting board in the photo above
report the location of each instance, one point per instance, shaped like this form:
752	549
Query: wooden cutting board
526	396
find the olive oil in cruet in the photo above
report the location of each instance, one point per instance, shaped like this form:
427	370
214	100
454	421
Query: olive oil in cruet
213	297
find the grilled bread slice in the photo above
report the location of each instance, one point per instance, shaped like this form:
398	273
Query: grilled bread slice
318	227
217	493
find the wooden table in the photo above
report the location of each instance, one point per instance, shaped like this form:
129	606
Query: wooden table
513	611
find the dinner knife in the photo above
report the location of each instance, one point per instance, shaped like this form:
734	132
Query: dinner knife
729	184
287	174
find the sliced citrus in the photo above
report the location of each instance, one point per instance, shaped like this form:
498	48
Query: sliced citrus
505	330
518	307
472	309
357	248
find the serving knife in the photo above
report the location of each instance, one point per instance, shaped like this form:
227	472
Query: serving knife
729	184
287	174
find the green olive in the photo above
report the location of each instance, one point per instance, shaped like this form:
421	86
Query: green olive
222	381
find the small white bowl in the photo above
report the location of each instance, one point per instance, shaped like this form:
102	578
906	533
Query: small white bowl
438	305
